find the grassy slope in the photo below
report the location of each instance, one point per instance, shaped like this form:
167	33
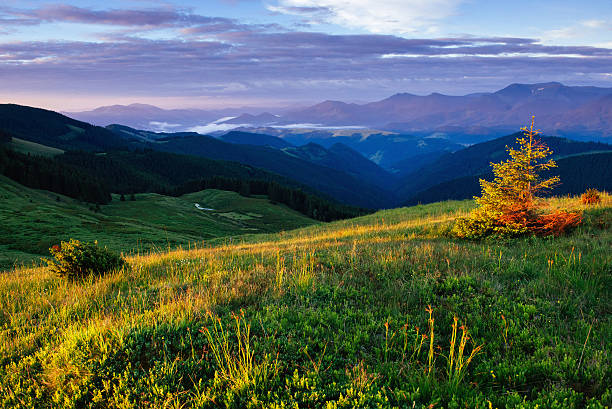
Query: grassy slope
23	146
333	312
32	220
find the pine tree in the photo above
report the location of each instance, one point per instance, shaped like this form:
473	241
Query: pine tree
517	180
508	205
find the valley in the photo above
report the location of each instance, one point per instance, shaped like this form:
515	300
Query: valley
370	171
35	220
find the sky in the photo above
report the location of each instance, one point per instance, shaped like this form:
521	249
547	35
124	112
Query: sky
78	55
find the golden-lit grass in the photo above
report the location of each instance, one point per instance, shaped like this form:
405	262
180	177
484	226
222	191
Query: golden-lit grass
203	276
51	329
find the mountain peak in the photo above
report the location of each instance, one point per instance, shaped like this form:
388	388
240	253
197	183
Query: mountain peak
330	102
122	108
517	88
401	95
138	105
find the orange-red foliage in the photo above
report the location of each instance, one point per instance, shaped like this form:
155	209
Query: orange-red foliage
552	224
591	196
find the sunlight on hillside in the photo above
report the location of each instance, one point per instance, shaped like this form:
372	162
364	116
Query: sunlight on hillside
336	306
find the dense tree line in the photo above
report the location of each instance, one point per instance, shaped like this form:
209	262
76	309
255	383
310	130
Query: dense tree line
153	171
330	181
475	160
49	174
92	177
580	172
173	174
310	205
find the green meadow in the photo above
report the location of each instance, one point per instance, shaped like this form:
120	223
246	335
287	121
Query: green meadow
383	311
34	220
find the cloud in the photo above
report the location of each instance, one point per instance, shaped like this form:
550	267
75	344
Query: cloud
118	17
598	24
215	127
392	17
208	58
293	64
309	15
139	19
580	30
157	126
111	17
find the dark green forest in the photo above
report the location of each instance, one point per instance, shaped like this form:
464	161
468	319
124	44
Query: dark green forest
57	130
475	160
50	174
92	177
577	173
356	190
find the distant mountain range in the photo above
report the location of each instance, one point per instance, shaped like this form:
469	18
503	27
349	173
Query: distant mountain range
579	112
559	109
150	117
370	168
143	116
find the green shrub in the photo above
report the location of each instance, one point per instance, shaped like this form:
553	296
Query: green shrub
76	260
479	226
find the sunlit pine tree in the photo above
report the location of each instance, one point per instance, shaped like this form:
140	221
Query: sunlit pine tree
518	180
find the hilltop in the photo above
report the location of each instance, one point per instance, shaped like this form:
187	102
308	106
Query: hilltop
332	315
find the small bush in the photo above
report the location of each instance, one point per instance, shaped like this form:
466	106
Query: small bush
480	225
591	196
516	222
76	260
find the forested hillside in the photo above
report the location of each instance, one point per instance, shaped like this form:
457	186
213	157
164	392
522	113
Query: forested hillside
335	183
475	160
92	178
54	175
577	173
56	130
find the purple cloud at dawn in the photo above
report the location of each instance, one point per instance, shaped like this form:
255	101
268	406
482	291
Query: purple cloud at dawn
180	55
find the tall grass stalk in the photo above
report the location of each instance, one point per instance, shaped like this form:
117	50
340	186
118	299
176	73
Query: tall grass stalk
430	355
236	364
280	271
457	361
